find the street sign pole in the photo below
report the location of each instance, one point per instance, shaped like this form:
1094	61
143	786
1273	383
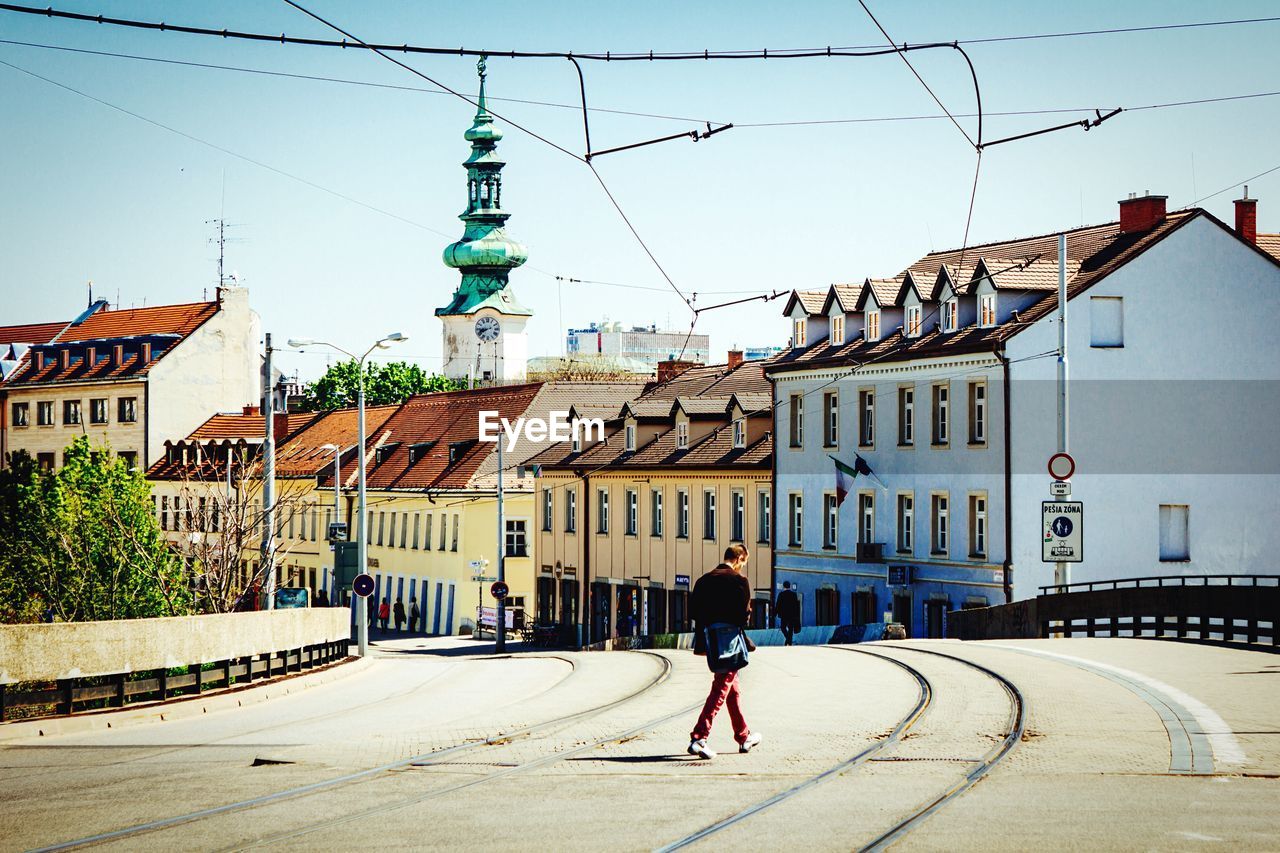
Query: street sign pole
500	630
1061	574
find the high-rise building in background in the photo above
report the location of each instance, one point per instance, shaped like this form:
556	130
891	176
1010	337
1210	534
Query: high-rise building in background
636	345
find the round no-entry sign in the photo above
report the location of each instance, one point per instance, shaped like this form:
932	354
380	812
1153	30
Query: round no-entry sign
499	590
1061	466
362	585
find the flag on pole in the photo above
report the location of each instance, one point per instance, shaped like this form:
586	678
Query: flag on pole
845	475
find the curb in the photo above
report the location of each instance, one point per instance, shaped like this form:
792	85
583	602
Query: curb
179	709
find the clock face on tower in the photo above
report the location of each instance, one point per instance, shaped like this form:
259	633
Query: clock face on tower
488	329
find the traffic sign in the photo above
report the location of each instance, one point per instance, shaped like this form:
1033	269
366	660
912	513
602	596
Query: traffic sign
1059	489
482	579
362	585
499	590
1061	466
1062	528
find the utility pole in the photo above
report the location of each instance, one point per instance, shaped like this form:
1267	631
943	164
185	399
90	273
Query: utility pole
1061	572
269	483
500	631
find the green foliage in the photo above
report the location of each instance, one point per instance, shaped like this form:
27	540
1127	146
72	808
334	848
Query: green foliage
84	542
384	384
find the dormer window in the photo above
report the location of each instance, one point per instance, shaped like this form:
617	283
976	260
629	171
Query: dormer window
873	325
630	441
739	434
951	315
913	322
418	450
577	441
682	435
987	310
798	332
837	330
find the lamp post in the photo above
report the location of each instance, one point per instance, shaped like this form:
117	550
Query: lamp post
362	540
337	503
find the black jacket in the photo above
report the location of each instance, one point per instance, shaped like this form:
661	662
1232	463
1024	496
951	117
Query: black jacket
789	607
721	595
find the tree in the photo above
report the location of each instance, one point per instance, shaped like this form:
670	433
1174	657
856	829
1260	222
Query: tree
84	542
384	384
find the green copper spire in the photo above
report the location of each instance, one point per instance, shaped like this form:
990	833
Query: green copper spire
485	254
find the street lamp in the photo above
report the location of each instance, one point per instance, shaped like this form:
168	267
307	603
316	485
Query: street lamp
362	539
337	504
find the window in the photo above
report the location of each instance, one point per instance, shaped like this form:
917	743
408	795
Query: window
457	522
764	520
70	412
391	538
382	526
831	419
404	529
977	526
1175	542
44	413
906	417
571	511
214	519
797	420
867	417
655	512
837	330
630	433
517	543
164	512
708	515
987	310
797	333
417	529
127	410
602	511
951	315
633	512
682	514
202	519
426	533
547	508
577	441
682	435
739	520
98	411
977	413
941	525
45	461
130	458
739	434
906	523
913	322
941	405
795	520
21	414
830	521
867	517
368	529
444	531
873	325
1106	321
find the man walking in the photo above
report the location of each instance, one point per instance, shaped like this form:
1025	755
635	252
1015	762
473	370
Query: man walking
399	614
413	613
788	608
722	596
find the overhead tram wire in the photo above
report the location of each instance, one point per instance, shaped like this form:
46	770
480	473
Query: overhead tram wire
1233	186
606	56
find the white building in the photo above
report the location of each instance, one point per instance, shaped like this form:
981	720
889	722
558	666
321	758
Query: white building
1173	365
642	345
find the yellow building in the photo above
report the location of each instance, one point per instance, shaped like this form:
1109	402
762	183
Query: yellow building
131	378
627	524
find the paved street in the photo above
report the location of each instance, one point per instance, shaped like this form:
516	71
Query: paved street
434	746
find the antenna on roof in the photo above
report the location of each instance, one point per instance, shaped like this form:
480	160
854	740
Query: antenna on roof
90	305
220	239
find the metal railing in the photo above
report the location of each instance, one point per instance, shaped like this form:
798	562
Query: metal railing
1165	580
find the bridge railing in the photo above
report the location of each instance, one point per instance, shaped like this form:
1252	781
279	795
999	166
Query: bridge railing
1232	609
66	667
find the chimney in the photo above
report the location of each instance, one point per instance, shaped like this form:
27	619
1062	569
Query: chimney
1247	217
1141	213
735	358
281	426
251	410
672	368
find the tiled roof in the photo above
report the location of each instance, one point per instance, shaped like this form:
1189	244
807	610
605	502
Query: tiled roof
444	419
704	405
1094	252
31	333
303	453
180	320
233	425
885	290
846	294
810	300
1270	243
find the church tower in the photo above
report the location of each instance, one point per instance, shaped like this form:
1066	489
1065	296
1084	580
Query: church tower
484	337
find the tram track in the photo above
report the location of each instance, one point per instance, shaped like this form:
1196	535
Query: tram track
382	771
905	824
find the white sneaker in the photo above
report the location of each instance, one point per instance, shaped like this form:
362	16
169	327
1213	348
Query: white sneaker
753	739
700	749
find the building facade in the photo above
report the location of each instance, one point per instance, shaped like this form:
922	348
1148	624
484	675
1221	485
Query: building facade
942	382
636	345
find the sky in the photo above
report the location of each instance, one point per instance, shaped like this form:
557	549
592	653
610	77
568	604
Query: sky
343	196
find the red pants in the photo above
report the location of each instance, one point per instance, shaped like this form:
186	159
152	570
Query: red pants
724	688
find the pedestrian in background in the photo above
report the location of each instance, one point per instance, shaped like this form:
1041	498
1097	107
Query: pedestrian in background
788	609
414	613
722	597
322	599
399	611
384	612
